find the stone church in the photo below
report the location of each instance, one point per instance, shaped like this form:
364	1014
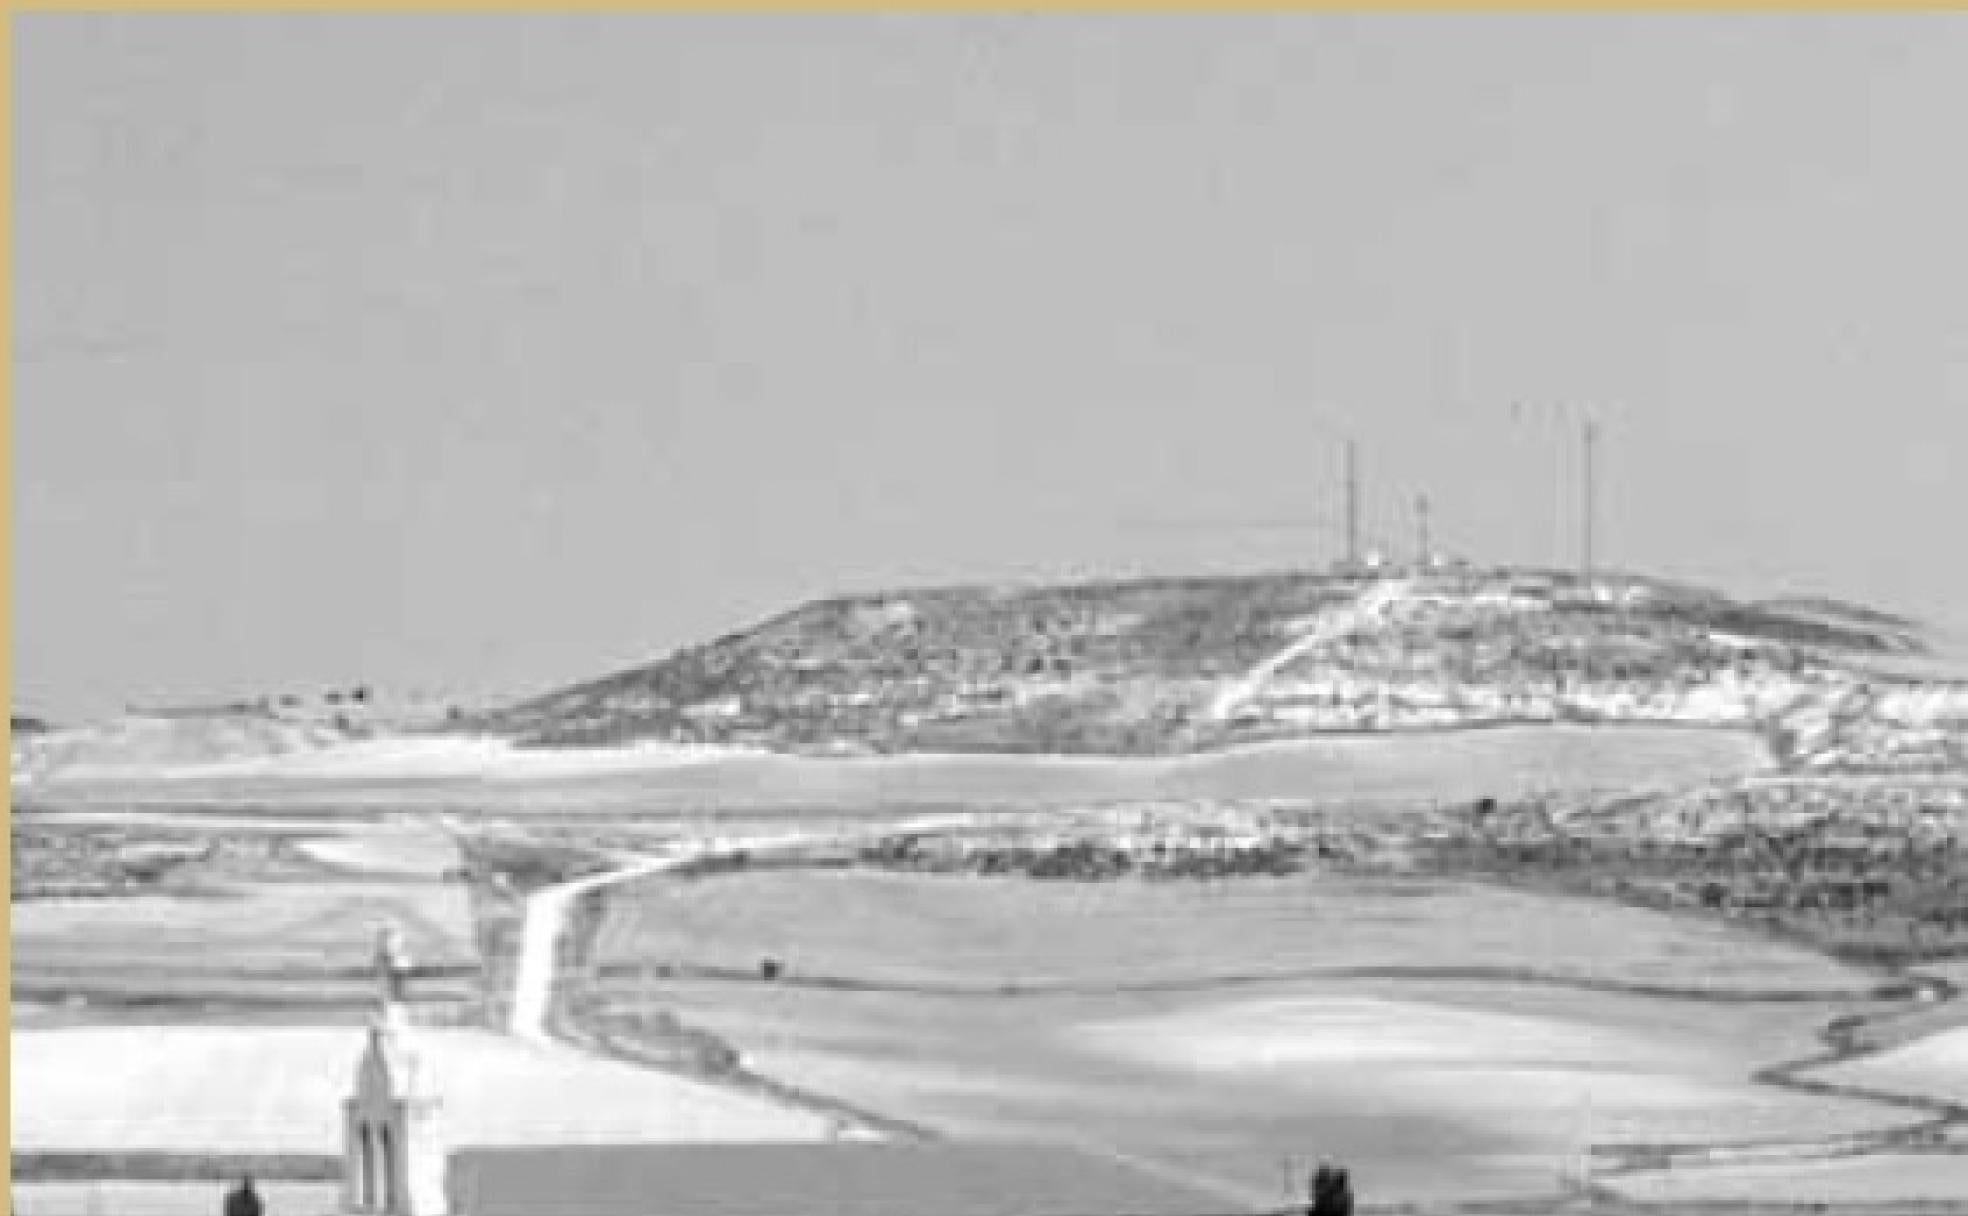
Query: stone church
397	1161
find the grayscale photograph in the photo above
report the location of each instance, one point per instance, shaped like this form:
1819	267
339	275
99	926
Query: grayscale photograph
989	614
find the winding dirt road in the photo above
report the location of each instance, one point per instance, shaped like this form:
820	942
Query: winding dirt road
539	948
547	911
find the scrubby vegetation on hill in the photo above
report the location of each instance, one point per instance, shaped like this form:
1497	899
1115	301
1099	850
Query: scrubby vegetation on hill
1162	666
1870	870
1111	667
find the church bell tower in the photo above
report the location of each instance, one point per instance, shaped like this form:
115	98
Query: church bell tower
393	1153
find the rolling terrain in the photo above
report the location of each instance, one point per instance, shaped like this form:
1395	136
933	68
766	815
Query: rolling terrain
1454	875
1445	1038
479	776
1146	669
183	916
139	746
1159	667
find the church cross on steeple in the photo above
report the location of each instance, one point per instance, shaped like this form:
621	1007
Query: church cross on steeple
392	963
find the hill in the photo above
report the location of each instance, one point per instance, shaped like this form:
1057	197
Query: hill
1181	665
140	743
289	728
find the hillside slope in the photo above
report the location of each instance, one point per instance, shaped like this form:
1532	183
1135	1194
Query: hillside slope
301	732
143	743
1169	666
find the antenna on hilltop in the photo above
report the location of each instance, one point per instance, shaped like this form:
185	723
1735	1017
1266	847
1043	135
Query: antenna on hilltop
1588	523
1590	438
1423	549
1352	503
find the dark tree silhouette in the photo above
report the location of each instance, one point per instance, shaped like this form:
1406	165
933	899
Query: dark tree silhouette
243	1200
1332	1193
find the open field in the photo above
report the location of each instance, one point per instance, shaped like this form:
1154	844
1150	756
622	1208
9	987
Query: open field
1445	1039
250	914
164	1198
984	933
1427	1091
400	850
303	938
1417	767
1927	1177
199	1089
1954	970
1934	1065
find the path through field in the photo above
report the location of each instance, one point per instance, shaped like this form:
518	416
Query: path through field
546	924
1367	610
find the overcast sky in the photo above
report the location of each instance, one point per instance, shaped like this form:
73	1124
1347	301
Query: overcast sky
486	352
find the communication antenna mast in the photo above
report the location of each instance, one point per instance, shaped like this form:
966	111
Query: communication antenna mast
1352	503
1423	550
1588	490
1591	443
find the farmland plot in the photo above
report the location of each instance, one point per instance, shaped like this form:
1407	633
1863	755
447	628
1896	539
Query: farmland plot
197	1089
293	941
988	933
1428	1091
163	1198
1903	1177
1448	765
1934	1066
404	850
1137	1017
257	914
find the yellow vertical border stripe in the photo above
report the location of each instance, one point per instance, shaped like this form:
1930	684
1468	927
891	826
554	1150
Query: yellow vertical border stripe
7	525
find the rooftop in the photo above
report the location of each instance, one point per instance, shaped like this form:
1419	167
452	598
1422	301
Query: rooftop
869	1178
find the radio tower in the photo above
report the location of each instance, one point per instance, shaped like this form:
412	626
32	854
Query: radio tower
1352	504
1591	444
1422	548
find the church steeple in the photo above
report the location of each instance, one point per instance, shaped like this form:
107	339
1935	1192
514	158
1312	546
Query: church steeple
393	1155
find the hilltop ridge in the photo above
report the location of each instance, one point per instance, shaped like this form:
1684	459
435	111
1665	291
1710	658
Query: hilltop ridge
146	740
1172	665
1144	667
